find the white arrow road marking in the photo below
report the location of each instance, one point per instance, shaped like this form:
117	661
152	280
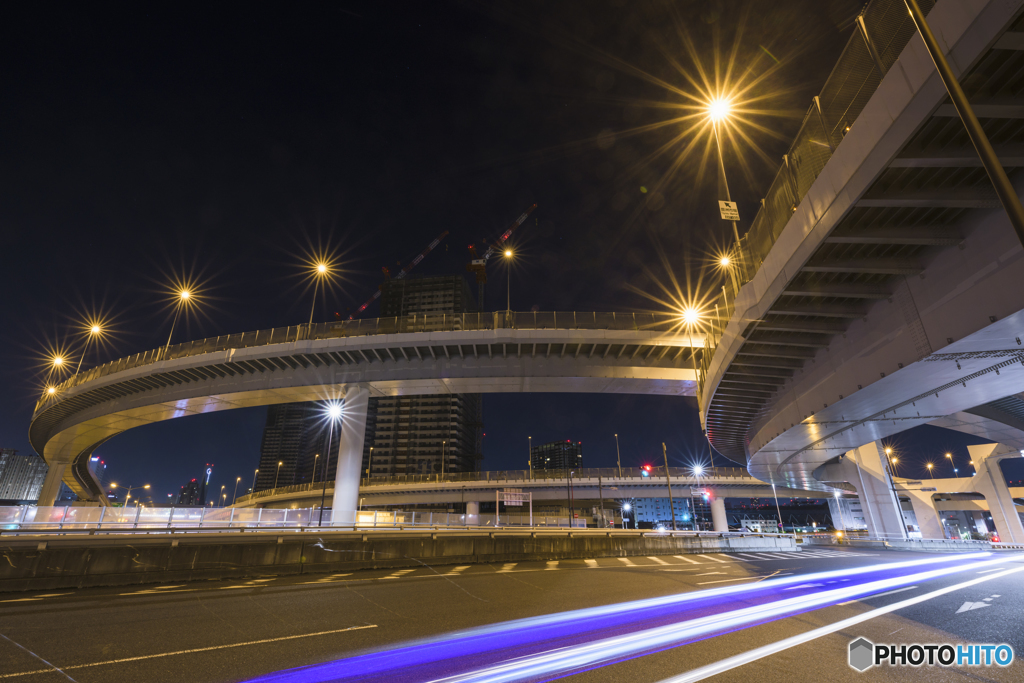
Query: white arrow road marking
968	606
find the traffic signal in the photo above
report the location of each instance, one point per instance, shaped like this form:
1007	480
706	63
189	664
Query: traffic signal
645	470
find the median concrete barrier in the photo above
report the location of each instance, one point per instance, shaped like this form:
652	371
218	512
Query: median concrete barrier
59	561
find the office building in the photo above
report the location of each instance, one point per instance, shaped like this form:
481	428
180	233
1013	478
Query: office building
557	455
658	511
21	477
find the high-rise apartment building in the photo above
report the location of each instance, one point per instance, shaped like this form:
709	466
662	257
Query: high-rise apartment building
294	435
424	434
404	434
21	476
557	455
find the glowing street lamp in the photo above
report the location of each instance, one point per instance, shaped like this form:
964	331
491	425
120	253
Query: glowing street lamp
333	414
718	111
234	496
182	298
278	474
253	489
129	491
508	264
321	271
95	330
949	456
930	466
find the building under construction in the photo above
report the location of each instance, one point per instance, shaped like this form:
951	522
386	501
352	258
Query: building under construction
405	434
424	434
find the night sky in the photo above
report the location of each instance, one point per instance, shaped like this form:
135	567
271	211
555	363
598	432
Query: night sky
228	142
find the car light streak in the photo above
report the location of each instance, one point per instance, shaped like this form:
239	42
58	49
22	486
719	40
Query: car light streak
599	635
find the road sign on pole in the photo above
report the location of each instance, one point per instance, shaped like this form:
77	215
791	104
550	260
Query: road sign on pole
730	211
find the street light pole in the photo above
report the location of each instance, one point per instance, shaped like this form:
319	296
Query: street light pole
234	496
253	489
618	456
276	476
529	459
668	480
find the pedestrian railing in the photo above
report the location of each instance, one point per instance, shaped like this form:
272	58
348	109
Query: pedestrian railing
684	476
420	322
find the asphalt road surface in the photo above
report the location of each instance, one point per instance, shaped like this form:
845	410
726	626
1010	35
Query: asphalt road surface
785	617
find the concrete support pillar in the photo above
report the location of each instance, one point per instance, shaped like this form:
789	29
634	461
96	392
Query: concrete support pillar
928	519
979	521
350	454
51	485
718	516
990	483
864	467
472	513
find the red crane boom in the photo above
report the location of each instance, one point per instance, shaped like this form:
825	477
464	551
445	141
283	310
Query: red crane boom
402	273
478	266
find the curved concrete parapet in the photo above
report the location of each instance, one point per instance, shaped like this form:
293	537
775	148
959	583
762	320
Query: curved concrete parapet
472	353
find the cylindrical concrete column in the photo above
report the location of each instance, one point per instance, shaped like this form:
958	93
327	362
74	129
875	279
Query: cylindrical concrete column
472	513
350	454
51	485
718	516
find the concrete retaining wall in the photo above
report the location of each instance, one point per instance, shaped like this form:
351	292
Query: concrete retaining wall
73	562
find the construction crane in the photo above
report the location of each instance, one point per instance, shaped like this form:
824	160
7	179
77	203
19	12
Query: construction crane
478	266
401	274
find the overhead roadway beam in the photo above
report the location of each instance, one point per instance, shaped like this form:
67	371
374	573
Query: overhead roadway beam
775	325
1011	40
763	349
807	340
980	197
923	235
961	157
823	311
986	110
876	266
842	290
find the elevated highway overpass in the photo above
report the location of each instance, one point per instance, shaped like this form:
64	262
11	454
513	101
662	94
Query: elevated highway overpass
881	284
422	354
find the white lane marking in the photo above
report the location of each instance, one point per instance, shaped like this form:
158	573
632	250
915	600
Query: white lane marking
227	588
686	559
657	560
509	566
986	571
24	600
591	563
163	588
767	650
742	578
184	590
877	595
626	561
52	595
399	574
553	564
713	559
744	555
456	571
188	652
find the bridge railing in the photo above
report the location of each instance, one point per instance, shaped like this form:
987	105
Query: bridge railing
886	28
684	475
421	322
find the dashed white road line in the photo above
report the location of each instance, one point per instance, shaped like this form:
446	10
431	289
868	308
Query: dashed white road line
626	561
553	564
508	566
591	563
456	571
657	560
686	559
188	652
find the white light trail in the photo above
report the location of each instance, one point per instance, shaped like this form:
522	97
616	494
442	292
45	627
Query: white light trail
606	650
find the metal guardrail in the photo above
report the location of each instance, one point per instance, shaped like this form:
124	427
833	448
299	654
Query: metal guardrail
879	36
683	475
70	518
421	322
